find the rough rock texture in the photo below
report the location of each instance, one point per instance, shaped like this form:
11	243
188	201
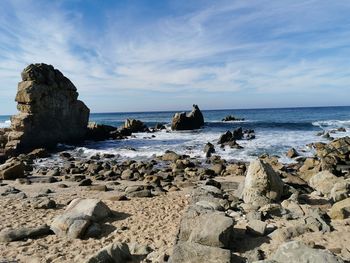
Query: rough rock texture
324	182
340	210
116	253
193	120
78	216
49	111
135	125
12	169
24	233
262	184
297	252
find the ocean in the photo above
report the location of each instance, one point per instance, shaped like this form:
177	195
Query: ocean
277	130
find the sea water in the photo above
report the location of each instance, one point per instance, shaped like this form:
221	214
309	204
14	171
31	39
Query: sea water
277	130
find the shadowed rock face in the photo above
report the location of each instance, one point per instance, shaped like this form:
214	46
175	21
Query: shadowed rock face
193	120
49	111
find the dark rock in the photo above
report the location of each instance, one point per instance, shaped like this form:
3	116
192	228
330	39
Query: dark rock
24	233
85	182
135	125
12	169
232	118
113	253
193	120
99	132
209	149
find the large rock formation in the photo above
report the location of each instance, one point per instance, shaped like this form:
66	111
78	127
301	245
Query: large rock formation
193	120
49	111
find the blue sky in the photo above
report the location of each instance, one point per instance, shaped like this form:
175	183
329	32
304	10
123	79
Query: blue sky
166	55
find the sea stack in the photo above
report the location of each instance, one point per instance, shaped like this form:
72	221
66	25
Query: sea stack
50	112
193	120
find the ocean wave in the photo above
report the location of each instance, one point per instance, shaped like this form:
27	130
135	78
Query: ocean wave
5	124
332	123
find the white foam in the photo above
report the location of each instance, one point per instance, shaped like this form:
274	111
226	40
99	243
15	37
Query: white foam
5	124
332	123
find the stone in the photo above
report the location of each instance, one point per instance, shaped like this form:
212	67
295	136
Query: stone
9	235
340	191
323	182
262	184
256	227
340	210
140	193
78	216
232	118
209	149
212	229
292	153
12	169
297	252
193	120
170	156
50	112
99	132
188	252
113	253
310	167
135	125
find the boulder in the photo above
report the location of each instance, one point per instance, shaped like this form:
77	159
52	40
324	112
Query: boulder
340	210
135	125
262	184
297	252
49	111
324	182
340	191
292	153
9	235
193	120
99	132
78	216
209	149
113	253
12	169
188	252
212	229
232	118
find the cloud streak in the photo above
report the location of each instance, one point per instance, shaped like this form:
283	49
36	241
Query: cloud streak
241	49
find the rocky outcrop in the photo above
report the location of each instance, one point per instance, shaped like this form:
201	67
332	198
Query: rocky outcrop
135	125
12	169
232	118
49	111
193	120
262	184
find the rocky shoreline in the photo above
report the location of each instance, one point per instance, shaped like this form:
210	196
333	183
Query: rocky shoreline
170	208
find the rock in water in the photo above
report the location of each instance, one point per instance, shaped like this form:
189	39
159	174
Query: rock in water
193	120
262	184
49	111
135	125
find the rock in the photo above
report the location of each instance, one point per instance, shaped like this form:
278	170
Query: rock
99	132
135	125
340	210
48	104
140	193
193	120
227	139
256	227
24	233
113	253
310	167
85	182
78	216
210	205
232	118
195	253
209	149
324	182
139	250
12	169
170	156
262	184
212	229
292	153
237	134
297	252
340	191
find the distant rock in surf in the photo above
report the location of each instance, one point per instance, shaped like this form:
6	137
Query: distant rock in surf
193	120
135	125
232	118
50	111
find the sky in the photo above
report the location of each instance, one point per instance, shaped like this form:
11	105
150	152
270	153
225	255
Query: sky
155	55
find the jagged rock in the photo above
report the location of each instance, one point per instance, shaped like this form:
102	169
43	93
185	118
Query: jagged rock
228	139
9	235
262	184
324	182
292	153
310	167
12	169
113	253
256	227
232	118
340	191
135	125
193	120
99	132
340	210
297	252
209	149
78	216
188	252
49	111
